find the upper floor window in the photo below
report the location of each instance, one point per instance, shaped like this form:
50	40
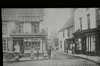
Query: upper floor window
68	33
32	27
98	17
36	27
19	27
98	11
80	23
63	34
88	20
4	28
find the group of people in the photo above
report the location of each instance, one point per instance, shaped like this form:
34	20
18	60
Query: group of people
36	54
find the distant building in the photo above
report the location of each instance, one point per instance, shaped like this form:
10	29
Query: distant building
61	41
87	31
66	35
22	27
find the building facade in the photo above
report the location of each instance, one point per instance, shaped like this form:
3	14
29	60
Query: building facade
21	31
87	31
67	34
61	41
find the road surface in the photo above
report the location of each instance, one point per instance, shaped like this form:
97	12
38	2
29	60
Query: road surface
57	59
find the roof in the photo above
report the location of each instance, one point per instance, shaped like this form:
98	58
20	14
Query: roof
68	24
23	14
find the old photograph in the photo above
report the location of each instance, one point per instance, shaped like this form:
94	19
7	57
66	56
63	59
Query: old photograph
50	36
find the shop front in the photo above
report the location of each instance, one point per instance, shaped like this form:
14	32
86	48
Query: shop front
31	45
69	45
93	42
25	45
87	42
79	40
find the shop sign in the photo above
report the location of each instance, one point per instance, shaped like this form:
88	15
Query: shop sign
27	40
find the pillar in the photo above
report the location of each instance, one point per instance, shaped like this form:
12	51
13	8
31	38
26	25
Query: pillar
41	47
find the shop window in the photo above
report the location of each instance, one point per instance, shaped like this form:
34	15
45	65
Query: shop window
79	44
93	43
36	44
17	47
27	44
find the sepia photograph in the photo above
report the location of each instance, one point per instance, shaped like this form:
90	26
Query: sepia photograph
50	36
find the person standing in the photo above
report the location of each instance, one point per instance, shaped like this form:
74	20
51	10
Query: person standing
17	48
37	54
49	52
17	51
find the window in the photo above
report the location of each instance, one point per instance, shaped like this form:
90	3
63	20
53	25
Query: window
98	12
98	17
93	43
68	33
4	45
63	34
4	28
88	18
80	23
19	27
36	28
26	45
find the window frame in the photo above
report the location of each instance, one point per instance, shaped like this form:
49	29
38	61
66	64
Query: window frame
88	20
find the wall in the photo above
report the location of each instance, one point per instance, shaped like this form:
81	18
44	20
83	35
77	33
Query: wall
82	12
65	34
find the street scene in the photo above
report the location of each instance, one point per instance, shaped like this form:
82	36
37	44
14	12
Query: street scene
51	36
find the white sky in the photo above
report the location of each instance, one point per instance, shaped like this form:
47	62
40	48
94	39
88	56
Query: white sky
55	18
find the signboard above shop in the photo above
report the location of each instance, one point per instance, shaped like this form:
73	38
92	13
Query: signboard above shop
37	40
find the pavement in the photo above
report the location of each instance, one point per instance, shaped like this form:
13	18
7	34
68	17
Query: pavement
25	59
95	59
